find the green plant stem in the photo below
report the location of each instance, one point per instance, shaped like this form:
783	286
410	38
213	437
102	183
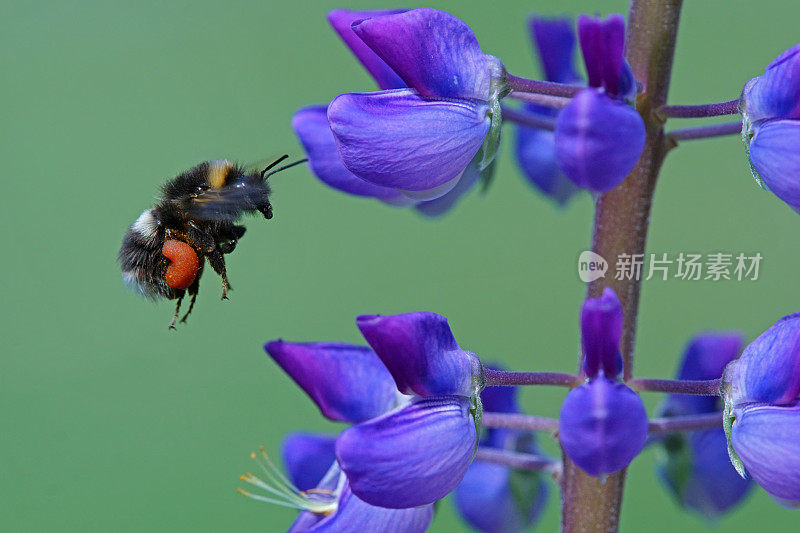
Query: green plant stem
620	226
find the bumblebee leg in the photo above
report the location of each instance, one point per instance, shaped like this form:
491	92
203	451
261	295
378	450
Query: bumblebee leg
188	311
177	311
218	264
200	238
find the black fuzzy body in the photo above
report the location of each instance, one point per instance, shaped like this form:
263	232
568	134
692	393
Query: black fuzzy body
199	207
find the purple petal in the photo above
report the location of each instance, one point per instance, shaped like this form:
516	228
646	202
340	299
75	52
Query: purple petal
598	140
420	352
348	383
341	20
353	514
698	472
413	456
356	515
776	93
602	426
441	205
536	156
705	358
493	498
398	139
603	46
311	126
308	457
767	440
555	42
776	159
769	369
432	51
601	329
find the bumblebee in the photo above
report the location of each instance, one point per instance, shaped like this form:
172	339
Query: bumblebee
164	251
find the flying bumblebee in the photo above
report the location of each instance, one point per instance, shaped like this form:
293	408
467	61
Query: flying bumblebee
164	250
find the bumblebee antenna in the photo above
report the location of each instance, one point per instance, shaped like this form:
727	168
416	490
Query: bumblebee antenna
271	165
284	167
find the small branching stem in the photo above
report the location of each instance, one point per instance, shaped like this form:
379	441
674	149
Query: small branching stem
501	377
549	88
520	461
529	119
731	107
675	424
707	132
677	386
519	421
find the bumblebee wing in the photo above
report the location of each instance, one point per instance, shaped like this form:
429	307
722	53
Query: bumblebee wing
226	203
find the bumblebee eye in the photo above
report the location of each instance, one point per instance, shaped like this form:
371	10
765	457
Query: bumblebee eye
227	247
183	266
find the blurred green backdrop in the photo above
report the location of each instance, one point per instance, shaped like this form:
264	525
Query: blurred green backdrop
111	422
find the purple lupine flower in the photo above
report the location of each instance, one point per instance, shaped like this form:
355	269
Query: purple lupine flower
769	369
421	354
695	465
775	160
406	451
418	453
599	136
348	383
554	41
412	456
420	140
313	129
311	126
603	424
776	93
493	497
331	507
770	106
766	439
308	457
762	418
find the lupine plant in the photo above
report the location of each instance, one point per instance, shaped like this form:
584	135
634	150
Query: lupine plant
424	417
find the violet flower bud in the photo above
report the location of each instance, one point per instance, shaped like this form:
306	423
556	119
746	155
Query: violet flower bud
599	136
601	329
602	426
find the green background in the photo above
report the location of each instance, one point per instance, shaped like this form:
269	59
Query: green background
112	422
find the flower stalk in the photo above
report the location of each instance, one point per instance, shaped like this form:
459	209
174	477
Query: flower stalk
504	378
549	88
730	107
520	461
676	424
621	222
519	421
677	386
706	132
529	119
